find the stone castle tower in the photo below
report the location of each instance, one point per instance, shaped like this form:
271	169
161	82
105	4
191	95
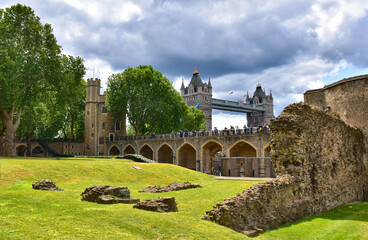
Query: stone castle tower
199	94
99	124
260	98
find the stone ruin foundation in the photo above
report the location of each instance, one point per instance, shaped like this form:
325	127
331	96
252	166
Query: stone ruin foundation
105	194
175	186
161	204
319	166
46	185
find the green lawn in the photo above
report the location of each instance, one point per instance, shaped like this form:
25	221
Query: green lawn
31	214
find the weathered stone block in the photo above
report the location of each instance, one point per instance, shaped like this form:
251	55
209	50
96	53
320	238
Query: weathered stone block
106	194
162	204
46	185
175	186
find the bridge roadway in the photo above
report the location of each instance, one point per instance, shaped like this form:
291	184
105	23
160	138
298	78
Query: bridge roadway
198	152
234	106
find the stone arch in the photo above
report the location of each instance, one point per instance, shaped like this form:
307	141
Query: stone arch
146	151
114	151
129	149
242	148
187	156
267	150
21	150
165	154
268	165
243	167
37	151
209	149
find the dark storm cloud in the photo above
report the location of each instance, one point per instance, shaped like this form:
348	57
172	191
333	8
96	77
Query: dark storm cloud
288	46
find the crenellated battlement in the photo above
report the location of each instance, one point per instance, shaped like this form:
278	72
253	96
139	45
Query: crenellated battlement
94	81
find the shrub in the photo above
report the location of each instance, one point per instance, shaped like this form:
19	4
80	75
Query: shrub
136	158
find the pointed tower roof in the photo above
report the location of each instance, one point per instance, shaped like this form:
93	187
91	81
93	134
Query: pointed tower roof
182	84
259	93
196	79
209	82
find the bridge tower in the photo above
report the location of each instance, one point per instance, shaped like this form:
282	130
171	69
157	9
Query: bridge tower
199	94
260	98
99	124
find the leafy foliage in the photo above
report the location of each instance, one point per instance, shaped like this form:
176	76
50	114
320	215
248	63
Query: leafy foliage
149	100
194	119
41	89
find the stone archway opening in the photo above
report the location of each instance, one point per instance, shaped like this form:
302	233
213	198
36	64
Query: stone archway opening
268	165
37	152
21	150
187	156
114	151
243	160
147	152
165	154
208	154
129	150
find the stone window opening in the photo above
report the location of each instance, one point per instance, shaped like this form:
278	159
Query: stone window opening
117	125
103	125
104	110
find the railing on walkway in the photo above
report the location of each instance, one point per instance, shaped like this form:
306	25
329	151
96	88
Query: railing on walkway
79	140
187	134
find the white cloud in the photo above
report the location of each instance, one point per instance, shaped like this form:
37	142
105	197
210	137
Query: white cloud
96	68
333	17
222	120
110	11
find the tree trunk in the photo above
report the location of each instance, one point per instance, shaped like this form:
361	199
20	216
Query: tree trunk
29	144
2	132
11	128
72	129
9	144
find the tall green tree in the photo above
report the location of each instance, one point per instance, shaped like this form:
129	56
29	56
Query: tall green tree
147	98
29	58
59	108
194	120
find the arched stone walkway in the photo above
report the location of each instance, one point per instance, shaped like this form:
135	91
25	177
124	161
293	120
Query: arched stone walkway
129	150
114	151
165	154
209	149
187	156
146	151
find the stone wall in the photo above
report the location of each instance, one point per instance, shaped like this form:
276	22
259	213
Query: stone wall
319	164
347	97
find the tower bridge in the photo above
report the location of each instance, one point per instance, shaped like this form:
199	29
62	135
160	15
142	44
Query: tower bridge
259	108
233	106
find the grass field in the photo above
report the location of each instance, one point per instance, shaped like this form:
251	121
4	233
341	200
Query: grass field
31	214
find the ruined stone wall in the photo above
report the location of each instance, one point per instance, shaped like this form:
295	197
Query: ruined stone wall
319	164
348	98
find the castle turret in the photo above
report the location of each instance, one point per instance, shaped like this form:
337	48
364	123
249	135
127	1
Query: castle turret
260	98
99	125
199	93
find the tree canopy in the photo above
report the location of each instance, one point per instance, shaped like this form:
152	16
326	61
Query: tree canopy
31	69
148	99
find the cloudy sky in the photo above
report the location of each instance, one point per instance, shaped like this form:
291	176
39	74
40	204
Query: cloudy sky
288	46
